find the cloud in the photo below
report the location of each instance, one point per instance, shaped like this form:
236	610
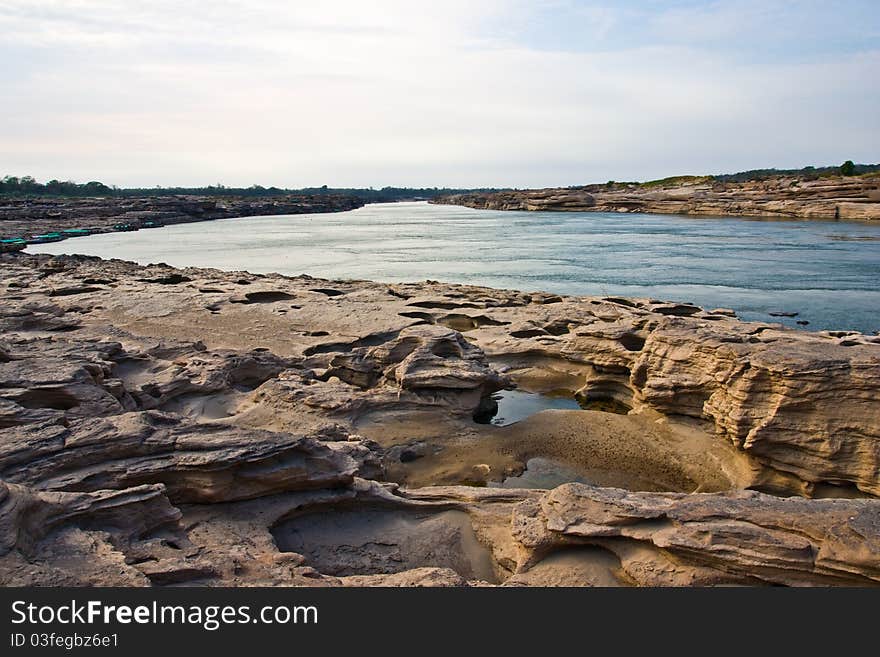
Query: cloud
419	93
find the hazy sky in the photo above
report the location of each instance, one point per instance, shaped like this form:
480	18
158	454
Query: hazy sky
446	93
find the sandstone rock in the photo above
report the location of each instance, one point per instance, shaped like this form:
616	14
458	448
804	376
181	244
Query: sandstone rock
796	403
26	515
854	198
197	463
117	402
28	217
416	577
749	535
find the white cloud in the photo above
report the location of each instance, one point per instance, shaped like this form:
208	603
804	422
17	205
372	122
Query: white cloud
398	92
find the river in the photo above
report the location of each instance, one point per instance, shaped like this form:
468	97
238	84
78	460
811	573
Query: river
826	272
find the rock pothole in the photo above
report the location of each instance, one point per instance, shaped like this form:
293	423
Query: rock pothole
376	540
507	407
265	296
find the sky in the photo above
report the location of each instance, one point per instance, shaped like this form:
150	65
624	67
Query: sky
458	93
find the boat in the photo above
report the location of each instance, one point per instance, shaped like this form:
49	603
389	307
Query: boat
12	244
45	238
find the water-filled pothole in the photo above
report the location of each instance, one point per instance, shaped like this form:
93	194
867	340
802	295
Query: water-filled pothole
542	472
371	541
546	473
509	406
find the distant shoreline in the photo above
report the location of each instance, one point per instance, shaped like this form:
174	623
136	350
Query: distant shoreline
41	220
840	198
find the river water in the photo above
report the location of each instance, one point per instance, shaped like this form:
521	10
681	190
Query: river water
827	272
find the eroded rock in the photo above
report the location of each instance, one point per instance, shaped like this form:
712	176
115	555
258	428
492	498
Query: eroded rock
837	197
147	439
709	538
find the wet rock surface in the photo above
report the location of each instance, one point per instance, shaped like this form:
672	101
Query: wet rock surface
168	427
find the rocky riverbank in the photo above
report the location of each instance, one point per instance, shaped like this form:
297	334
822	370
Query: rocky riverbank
845	198
37	220
167	426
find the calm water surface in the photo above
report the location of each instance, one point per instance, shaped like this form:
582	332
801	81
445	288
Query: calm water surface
828	272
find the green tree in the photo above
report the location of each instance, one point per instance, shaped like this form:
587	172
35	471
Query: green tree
848	168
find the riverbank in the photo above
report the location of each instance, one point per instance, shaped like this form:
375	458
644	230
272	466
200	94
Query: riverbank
855	198
164	426
40	220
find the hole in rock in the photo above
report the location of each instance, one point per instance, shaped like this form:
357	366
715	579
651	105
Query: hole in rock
54	398
172	279
442	305
372	340
370	541
528	333
677	310
267	296
204	407
623	302
464	323
606	404
428	317
576	566
631	342
64	328
70	291
509	406
446	349
558	328
327	291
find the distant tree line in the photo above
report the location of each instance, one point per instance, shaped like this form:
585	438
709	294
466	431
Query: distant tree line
848	168
28	186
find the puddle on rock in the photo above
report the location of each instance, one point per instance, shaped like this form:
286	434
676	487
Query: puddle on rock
509	406
542	472
385	540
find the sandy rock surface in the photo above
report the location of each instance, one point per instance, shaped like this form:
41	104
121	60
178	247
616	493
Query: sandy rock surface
835	197
32	220
165	426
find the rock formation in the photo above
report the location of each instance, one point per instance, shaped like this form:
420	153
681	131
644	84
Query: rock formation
42	219
163	426
854	198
